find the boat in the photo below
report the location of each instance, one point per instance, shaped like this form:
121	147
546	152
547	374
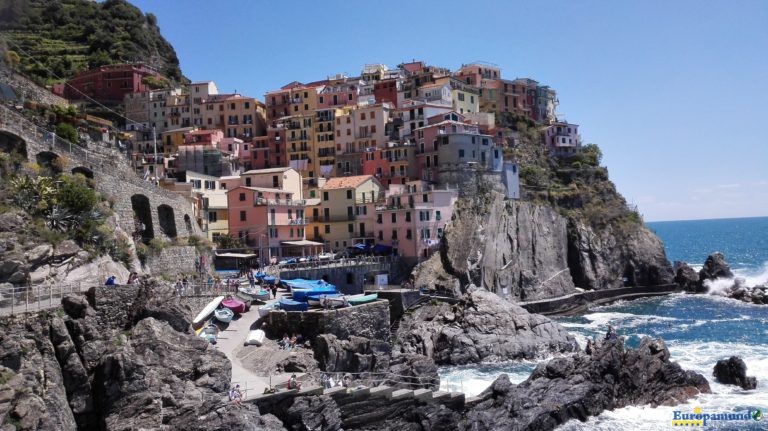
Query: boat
333	300
207	310
290	305
234	304
305	293
268	279
362	299
208	333
266	308
253	293
223	315
255	338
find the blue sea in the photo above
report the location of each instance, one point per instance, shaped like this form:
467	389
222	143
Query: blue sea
698	329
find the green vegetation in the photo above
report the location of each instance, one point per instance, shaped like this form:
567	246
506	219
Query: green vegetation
67	36
66	131
227	242
62	207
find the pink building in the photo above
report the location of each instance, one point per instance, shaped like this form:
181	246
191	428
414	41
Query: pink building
562	138
270	219
413	218
204	137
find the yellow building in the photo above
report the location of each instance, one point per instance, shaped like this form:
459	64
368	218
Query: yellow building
171	140
345	214
209	193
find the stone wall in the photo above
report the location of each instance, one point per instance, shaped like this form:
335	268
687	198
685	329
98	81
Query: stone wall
173	260
347	279
27	90
367	320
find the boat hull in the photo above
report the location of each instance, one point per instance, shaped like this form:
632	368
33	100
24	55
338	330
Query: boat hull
207	310
288	305
237	306
224	315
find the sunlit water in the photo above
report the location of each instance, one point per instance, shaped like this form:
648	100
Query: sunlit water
698	330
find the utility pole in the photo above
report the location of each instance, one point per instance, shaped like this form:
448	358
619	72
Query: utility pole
154	160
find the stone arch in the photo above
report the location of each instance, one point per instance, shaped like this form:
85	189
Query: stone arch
188	224
82	170
142	218
50	161
11	143
167	221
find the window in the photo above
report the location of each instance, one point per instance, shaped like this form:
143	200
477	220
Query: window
362	115
379	218
242	197
349	194
212	217
408	216
408	234
381	235
325	196
247	181
461	154
223	186
327	228
242	215
437	215
439	232
350	228
373	115
461	97
291	233
394	217
394	234
425	197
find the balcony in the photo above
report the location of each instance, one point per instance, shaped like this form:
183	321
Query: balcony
298	221
331	219
280	202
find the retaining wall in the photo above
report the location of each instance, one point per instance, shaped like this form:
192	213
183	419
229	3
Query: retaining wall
367	320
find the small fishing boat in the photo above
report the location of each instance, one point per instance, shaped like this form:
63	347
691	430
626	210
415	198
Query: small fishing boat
289	305
224	315
255	338
266	308
207	310
253	293
303	294
268	279
209	333
333	300
362	299
234	304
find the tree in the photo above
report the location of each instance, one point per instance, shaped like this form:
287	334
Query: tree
13	59
66	131
592	155
227	241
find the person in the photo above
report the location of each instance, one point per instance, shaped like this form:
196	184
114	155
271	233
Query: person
293	383
590	348
331	382
325	379
285	343
184	285
274	290
133	278
347	381
235	395
292	341
611	334
178	285
251	280
110	281
217	284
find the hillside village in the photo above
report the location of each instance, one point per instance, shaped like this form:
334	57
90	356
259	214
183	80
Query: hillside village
370	160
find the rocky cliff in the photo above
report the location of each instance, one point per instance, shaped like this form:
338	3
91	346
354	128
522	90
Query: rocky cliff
124	359
527	251
480	328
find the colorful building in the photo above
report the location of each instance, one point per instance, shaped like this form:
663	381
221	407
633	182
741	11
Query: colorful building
562	138
109	83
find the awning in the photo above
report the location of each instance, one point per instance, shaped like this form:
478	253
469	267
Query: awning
301	243
236	255
360	246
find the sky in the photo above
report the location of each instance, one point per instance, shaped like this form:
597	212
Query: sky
674	92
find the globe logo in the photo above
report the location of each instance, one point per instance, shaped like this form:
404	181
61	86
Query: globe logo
757	415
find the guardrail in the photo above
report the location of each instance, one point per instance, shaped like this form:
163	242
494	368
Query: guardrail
26	299
343	262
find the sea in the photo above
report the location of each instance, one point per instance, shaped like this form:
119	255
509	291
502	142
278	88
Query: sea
698	330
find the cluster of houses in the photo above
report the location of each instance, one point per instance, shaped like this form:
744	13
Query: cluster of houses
331	164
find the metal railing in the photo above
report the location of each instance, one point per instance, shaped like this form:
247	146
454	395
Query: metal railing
25	299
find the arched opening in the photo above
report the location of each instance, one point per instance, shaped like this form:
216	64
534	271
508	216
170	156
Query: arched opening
166	220
325	278
629	276
188	224
51	161
11	143
82	170
142	218
350	278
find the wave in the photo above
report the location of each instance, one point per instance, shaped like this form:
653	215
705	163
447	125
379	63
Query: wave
748	278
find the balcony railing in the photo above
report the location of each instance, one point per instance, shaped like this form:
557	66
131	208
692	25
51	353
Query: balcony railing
283	202
298	221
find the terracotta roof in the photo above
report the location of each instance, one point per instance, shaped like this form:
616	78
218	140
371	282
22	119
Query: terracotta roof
346	182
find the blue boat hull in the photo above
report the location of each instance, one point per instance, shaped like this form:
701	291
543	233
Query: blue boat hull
288	305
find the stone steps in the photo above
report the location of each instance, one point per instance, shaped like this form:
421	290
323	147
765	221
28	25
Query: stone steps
401	394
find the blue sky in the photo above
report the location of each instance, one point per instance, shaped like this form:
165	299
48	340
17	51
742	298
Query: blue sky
674	92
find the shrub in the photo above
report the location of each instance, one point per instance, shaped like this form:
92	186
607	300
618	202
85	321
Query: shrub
156	245
75	195
142	252
66	131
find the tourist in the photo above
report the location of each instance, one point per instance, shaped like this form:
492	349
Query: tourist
184	285
293	383
285	343
235	395
179	287
347	381
274	291
326	381
292	341
110	281
611	334
590	348
133	278
217	284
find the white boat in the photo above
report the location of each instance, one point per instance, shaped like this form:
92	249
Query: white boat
332	301
207	310
224	315
255	338
265	309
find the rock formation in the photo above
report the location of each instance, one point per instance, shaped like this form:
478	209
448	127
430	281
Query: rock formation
715	267
585	385
481	328
686	277
733	371
533	252
716	278
116	362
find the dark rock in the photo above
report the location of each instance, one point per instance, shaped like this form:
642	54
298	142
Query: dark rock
686	277
39	254
581	385
76	306
484	327
733	371
313	413
715	267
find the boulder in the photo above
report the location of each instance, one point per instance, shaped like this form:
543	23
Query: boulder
8	267
76	306
686	277
581	385
715	267
482	328
733	371
39	254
